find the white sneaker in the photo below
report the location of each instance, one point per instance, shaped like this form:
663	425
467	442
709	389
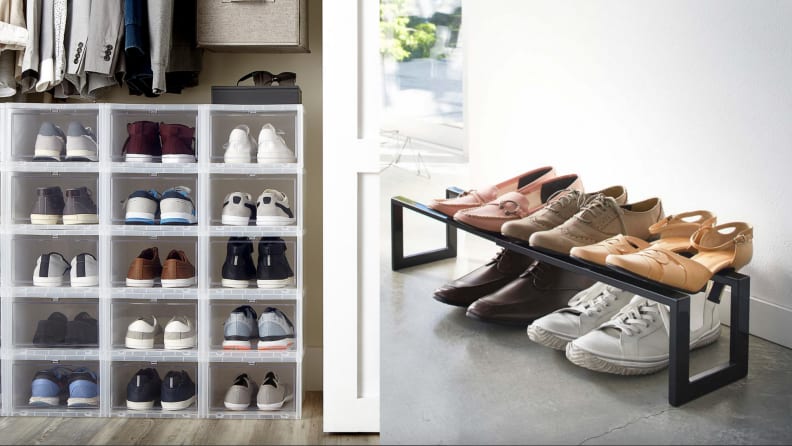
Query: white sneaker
83	270
272	209
272	149
141	333
179	333
50	143
240	146
142	207
80	143
587	310
51	270
635	341
177	208
238	209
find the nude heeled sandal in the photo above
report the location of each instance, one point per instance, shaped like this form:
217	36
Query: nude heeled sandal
674	231
718	249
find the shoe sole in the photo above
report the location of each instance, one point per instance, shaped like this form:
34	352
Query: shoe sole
81	155
140	283
514	323
81	219
180	344
231	283
281	283
48	153
139	344
274	406
82	402
44	219
137	158
188	159
177	218
234	220
139	218
236	406
44	401
281	344
274	221
544	337
140	405
80	282
48	281
236	345
275	160
587	360
178	405
178	283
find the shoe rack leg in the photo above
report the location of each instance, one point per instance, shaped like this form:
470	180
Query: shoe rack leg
679	352
398	259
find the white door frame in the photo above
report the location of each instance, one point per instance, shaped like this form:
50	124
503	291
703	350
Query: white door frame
350	47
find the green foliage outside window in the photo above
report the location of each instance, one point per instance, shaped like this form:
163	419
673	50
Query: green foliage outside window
400	38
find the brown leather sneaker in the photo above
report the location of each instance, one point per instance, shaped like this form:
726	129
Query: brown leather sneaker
177	272
600	218
486	279
539	290
560	208
144	269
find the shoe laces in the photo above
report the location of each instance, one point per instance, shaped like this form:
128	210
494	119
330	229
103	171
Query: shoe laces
637	316
182	190
593	303
561	199
498	256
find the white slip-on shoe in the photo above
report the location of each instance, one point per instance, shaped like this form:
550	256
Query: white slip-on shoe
179	333
141	333
272	209
635	340
51	270
587	310
272	149
83	270
238	209
240	146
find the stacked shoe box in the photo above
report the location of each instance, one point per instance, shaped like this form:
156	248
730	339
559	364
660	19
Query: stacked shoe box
119	301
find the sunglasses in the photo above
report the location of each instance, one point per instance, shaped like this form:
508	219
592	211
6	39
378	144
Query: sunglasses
266	79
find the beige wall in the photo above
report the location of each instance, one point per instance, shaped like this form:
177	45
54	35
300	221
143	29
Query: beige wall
225	69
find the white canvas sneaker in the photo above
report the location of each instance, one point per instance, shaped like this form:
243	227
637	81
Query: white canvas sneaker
141	333
587	310
177	208
83	270
272	149
179	333
272	394
238	209
80	143
272	209
240	146
51	270
635	341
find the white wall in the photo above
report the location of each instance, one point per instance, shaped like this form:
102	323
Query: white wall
688	101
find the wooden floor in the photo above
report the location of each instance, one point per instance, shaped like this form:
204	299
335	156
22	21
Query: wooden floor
41	430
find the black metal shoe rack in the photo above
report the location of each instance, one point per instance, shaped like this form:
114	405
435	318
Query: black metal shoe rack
681	386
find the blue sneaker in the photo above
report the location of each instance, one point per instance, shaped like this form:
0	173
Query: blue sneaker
240	328
276	331
83	389
48	387
142	207
177	208
178	391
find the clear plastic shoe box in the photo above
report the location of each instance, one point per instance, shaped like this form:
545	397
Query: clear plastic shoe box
116	244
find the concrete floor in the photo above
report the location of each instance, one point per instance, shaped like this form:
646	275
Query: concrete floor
448	379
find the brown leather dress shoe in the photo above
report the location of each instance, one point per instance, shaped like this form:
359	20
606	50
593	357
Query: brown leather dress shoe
539	290
484	280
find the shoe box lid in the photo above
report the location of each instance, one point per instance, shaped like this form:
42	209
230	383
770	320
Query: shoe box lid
251	95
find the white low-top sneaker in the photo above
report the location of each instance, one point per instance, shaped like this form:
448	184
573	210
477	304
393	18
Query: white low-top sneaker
272	149
142	333
587	310
80	143
177	208
272	209
83	270
50	143
635	340
179	333
51	270
238	209
240	146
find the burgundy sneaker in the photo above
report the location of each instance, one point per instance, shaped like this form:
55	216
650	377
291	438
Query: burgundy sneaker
143	143
178	143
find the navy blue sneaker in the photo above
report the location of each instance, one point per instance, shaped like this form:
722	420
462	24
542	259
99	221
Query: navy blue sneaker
178	391
48	387
83	389
143	390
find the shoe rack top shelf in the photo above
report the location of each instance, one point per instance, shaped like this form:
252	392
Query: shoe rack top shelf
57	354
154	355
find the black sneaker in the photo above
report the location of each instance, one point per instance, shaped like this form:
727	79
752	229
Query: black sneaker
143	390
51	332
178	391
238	268
82	331
273	266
